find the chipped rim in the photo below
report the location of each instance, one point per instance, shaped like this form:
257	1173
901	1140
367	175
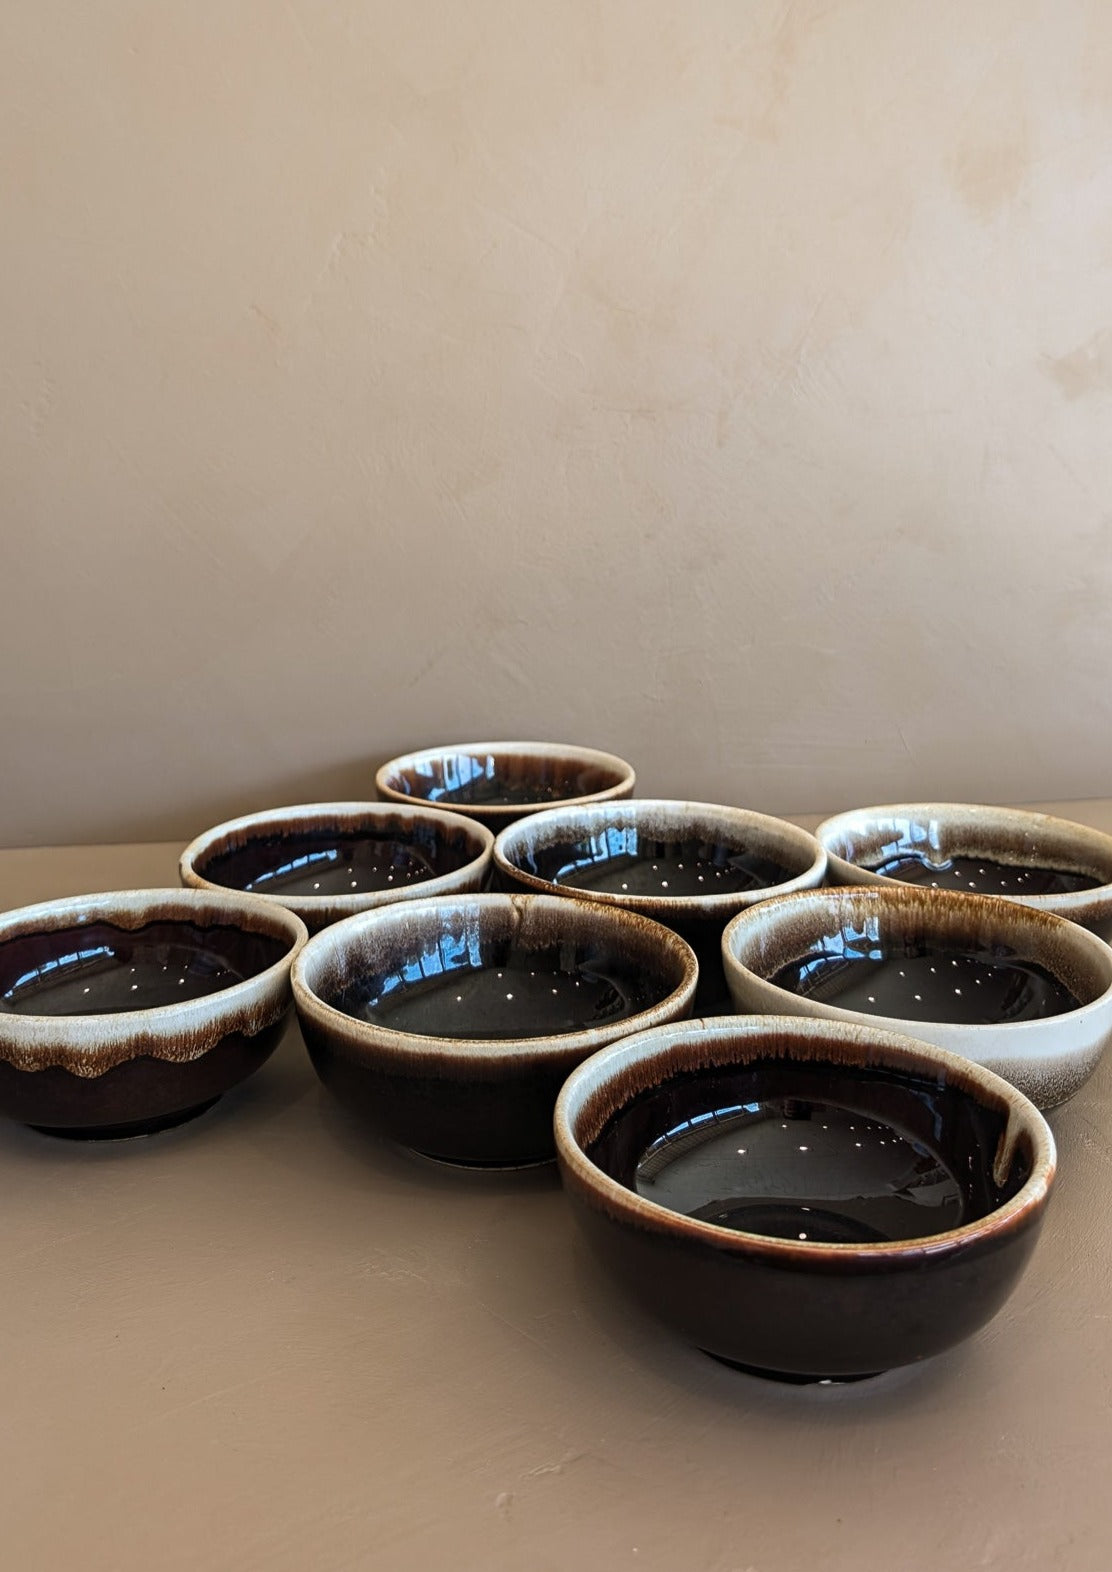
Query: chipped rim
665	1047
591	758
676	813
890	896
315	907
90	1044
342	937
832	833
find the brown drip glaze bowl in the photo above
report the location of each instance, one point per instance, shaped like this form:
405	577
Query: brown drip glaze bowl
863	1201
128	1012
1024	992
451	1025
1051	864
498	782
690	865
328	860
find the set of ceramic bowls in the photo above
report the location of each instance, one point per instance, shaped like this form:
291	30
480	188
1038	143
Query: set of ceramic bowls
844	1176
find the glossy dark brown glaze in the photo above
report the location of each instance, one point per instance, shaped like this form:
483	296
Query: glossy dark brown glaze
679	860
483	1099
678	866
729	858
800	1168
492	1115
326	861
138	1097
982	875
1048	1058
796	1308
805	1324
1051	863
926	981
968	924
504	992
712	995
496	783
102	968
951	1131
123	1011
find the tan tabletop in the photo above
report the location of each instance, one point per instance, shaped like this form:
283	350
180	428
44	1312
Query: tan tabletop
265	1340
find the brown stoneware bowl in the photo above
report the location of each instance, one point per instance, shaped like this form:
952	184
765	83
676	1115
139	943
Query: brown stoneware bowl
497	782
1024	992
452	1024
328	860
1051	864
126	1013
805	1199
691	865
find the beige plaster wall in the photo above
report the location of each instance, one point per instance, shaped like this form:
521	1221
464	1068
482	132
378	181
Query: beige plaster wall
726	384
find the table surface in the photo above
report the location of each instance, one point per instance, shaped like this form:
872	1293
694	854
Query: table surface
268	1341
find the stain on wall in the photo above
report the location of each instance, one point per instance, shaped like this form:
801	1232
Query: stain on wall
1086	369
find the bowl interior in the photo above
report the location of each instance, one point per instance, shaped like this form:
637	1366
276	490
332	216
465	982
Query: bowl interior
984	850
818	1149
334	856
99	968
496	778
907	956
641	854
484	970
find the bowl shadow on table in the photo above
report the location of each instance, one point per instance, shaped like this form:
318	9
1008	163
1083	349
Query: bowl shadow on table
384	1162
610	1339
613	1324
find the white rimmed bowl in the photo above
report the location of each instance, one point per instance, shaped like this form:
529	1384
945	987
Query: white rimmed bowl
780	1304
1049	863
1048	1058
328	860
690	865
498	782
125	1012
541	983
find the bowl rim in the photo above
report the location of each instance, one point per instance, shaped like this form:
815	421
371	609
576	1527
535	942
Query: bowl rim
313	906
457	1050
27	1033
673	809
497	811
834	826
599	1070
893	893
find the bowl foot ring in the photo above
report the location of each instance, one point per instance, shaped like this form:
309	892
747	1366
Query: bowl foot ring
132	1130
496	1165
792	1377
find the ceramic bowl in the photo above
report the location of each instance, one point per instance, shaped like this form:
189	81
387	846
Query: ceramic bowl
691	865
125	1013
1051	864
1024	992
452	1024
328	860
806	1199
498	782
